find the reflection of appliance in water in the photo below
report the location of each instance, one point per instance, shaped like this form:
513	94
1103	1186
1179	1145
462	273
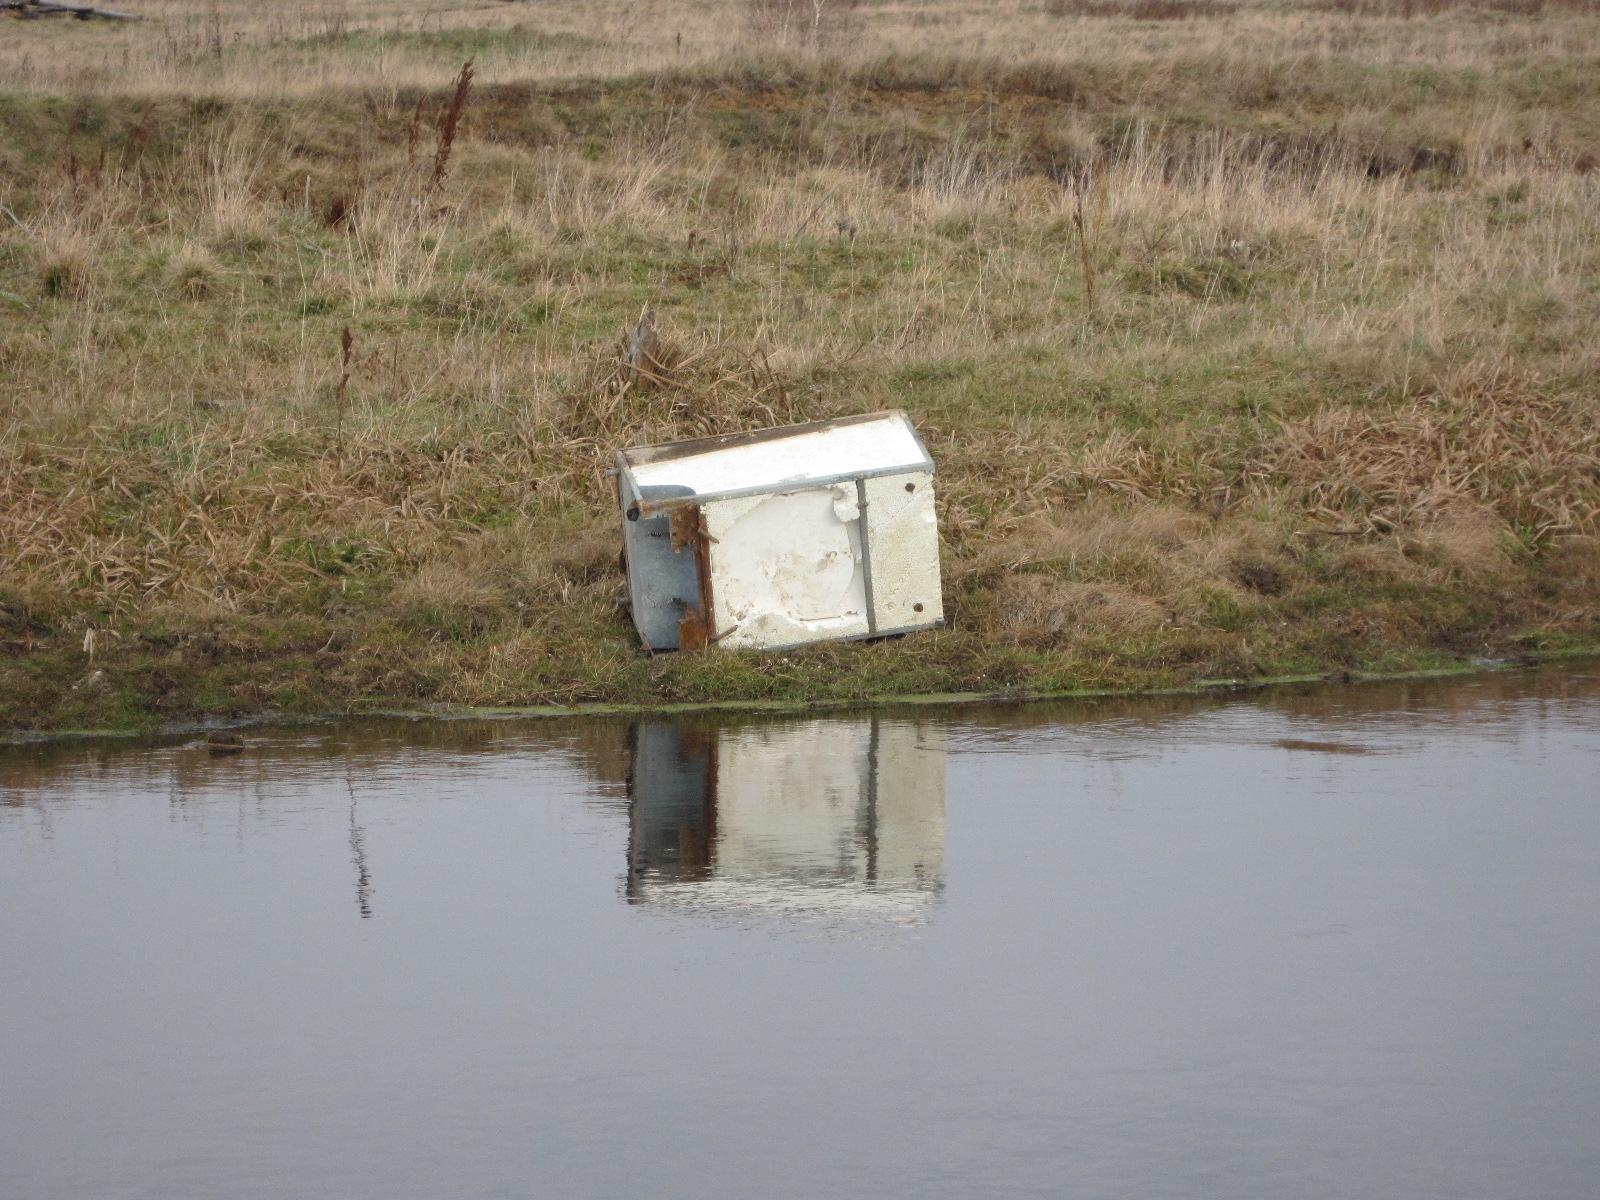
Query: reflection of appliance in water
841	817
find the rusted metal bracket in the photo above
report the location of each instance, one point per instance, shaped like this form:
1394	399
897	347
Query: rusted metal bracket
684	526
687	528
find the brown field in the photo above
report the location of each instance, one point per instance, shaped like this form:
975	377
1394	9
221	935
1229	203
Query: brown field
1250	339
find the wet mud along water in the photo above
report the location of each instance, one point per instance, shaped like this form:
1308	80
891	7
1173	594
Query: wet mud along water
1311	943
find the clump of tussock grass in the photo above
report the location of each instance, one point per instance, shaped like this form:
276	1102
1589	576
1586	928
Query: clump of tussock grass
494	578
66	266
192	273
1113	565
667	389
1042	611
1531	459
1463	541
131	522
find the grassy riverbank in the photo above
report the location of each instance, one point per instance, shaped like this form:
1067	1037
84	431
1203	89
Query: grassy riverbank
1257	341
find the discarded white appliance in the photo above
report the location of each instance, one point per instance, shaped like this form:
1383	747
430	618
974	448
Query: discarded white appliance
778	538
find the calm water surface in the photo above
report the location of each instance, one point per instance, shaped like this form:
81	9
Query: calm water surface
1342	943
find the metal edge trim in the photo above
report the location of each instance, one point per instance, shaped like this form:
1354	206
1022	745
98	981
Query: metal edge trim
784	488
686	447
864	535
849	637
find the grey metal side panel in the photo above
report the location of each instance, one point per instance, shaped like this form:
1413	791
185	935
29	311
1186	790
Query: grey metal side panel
661	581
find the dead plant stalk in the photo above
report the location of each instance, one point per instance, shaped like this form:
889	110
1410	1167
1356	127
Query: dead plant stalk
450	123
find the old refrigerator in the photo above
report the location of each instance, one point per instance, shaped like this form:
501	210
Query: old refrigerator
782	537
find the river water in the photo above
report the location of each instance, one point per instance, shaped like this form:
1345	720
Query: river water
1336	942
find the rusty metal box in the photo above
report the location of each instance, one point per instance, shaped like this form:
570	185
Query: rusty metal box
782	537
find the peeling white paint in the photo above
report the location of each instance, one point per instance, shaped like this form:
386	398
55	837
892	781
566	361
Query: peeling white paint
786	569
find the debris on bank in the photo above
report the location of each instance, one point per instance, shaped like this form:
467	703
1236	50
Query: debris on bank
770	540
220	742
29	10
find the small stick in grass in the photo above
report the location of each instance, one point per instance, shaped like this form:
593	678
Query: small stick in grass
414	132
346	342
640	355
1083	249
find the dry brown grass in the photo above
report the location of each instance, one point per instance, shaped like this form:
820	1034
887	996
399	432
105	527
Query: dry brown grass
239	47
1041	610
1333	397
1512	455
